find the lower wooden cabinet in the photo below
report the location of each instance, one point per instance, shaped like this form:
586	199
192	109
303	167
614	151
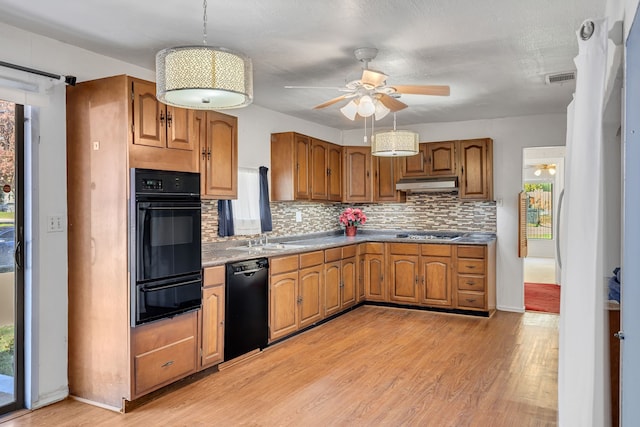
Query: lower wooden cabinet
475	277
163	352
339	279
310	287
212	317
403	271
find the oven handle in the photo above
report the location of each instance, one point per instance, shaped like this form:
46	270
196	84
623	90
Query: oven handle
173	208
173	285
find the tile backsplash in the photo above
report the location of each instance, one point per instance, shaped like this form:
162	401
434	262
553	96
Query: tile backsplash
424	211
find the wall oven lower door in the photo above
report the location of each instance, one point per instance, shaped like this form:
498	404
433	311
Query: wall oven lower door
165	298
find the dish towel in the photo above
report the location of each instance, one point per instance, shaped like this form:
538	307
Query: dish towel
246	209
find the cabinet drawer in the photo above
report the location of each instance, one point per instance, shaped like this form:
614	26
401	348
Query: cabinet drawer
333	254
164	365
404	249
471	300
310	259
372	248
348	251
473	266
471	251
283	264
471	283
436	250
162	333
213	276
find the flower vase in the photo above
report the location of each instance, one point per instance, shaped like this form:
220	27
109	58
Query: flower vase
350	230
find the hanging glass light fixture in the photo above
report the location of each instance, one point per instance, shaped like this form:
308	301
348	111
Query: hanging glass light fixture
204	77
394	142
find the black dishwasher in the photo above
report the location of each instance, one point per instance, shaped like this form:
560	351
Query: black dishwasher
246	318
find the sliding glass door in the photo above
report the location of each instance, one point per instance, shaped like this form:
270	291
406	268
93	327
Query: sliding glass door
11	257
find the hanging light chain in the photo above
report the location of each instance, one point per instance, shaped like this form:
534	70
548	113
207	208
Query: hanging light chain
204	23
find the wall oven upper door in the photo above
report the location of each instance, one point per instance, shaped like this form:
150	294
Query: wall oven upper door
168	240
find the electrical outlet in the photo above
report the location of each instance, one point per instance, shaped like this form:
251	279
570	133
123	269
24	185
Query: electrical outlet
55	224
298	216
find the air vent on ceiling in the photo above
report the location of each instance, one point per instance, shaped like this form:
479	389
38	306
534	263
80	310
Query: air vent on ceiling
560	78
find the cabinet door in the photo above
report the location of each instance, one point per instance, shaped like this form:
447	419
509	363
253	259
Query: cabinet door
149	116
212	326
375	289
357	174
334	159
348	294
221	156
360	278
302	147
476	169
332	278
180	129
319	170
441	158
415	166
403	278
283	298
436	281
310	295
384	180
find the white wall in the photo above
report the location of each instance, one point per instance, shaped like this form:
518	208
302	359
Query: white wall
510	136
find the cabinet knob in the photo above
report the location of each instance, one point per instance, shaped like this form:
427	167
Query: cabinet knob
162	117
169	118
204	154
470	283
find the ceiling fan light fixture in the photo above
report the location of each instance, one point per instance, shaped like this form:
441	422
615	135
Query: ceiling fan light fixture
538	172
365	106
552	170
204	77
350	110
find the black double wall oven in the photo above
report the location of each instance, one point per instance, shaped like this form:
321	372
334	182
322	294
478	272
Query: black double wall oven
164	244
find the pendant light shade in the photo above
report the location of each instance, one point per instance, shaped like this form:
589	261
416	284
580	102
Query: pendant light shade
203	77
394	142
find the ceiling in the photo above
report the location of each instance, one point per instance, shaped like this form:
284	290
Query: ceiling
493	53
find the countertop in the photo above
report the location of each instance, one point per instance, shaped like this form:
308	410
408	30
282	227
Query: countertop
221	253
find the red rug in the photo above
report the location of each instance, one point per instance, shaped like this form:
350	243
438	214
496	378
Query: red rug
543	297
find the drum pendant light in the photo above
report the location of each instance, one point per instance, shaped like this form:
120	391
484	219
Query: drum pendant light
204	77
395	143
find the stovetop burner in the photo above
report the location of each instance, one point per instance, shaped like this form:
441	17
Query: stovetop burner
430	236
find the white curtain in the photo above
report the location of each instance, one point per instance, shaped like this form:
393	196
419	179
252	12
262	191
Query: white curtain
580	399
246	209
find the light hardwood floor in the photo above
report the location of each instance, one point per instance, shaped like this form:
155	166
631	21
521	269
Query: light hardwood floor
374	366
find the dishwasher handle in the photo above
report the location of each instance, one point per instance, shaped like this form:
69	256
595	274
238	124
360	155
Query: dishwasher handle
245	272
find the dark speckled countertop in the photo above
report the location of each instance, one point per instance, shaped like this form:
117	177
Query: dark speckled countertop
221	253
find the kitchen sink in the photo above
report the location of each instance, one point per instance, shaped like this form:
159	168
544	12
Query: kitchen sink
266	248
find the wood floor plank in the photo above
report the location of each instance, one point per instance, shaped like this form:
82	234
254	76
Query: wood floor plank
372	366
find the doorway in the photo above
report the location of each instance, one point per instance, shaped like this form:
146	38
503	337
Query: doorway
11	257
543	183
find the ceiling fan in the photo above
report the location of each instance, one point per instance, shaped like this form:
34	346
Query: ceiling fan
370	95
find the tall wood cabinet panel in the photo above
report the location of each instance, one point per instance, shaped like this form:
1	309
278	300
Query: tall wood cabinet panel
290	166
319	170
332	282
97	191
212	317
372	272
218	136
357	174
164	137
476	169
334	185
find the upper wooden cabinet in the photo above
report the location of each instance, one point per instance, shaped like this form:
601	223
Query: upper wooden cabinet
163	137
357	174
433	159
476	169
363	172
305	168
218	137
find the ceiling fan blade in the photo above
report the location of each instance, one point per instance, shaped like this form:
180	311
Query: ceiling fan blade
373	78
391	103
422	90
331	102
314	87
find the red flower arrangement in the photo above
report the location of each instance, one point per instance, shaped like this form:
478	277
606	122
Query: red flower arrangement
352	217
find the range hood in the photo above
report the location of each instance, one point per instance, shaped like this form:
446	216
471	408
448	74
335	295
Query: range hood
428	185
